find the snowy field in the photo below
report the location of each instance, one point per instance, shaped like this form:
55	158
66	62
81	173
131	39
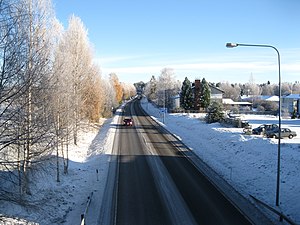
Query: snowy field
249	163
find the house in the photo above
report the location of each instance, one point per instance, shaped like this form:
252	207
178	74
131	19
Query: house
216	94
268	98
291	102
229	104
175	102
273	98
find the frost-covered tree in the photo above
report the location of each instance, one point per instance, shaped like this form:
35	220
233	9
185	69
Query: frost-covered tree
232	91
128	90
286	88
12	54
25	72
61	98
117	86
109	98
167	86
296	88
77	53
151	89
267	89
252	88
92	95
48	86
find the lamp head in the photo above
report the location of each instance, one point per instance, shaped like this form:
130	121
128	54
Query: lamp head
231	45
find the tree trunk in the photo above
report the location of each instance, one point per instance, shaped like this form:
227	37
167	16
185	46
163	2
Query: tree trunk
57	161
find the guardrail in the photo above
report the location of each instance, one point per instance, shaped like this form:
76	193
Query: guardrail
280	214
83	216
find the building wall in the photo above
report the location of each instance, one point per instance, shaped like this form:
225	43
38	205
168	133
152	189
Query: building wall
175	102
197	91
216	96
290	104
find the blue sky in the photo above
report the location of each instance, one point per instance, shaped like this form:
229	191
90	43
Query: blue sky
137	38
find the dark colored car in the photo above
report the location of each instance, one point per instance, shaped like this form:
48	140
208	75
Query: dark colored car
262	129
127	122
285	132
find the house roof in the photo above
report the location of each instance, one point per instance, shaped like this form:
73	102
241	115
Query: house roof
216	88
293	96
229	101
273	98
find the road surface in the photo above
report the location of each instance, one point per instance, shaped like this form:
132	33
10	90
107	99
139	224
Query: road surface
155	183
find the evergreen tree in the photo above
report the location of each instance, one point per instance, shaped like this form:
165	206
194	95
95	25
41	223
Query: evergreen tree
215	113
186	95
205	94
185	83
189	100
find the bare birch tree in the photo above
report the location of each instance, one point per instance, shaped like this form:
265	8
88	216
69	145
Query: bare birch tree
128	90
109	98
78	60
25	70
151	89
114	80
48	84
92	95
167	86
34	24
60	100
11	46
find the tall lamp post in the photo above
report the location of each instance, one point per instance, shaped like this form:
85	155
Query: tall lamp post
232	45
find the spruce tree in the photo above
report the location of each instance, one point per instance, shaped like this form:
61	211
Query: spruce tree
184	86
215	113
189	100
186	95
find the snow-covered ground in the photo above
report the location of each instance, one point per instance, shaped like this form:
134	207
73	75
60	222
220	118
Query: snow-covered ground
247	162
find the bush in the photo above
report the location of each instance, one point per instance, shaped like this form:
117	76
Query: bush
235	110
294	114
260	108
214	113
270	106
265	105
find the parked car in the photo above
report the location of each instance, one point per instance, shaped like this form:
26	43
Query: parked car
285	132
127	122
262	129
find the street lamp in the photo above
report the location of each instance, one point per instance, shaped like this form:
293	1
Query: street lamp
232	45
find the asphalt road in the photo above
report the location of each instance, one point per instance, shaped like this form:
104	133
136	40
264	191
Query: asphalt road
156	184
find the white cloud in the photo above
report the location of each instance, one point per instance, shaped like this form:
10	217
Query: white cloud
114	59
258	66
235	65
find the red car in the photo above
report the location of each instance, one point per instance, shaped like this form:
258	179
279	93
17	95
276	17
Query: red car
127	122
